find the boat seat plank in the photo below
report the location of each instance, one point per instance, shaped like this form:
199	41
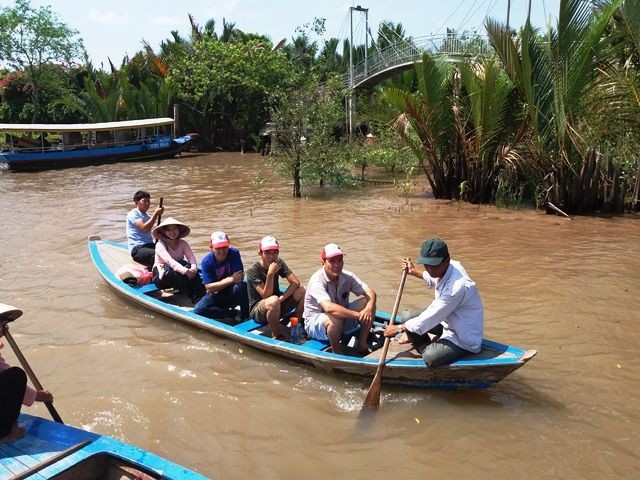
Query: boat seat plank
248	325
397	351
18	456
315	344
150	287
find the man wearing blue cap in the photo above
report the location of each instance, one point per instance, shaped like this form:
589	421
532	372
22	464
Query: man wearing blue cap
454	319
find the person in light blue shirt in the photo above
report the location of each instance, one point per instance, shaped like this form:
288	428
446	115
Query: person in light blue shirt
138	228
452	325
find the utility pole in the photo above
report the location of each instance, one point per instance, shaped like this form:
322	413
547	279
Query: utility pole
508	12
352	100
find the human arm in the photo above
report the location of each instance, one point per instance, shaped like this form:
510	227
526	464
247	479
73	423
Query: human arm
30	395
265	286
411	268
336	310
437	312
191	258
163	254
211	269
146	226
369	311
218	285
294	284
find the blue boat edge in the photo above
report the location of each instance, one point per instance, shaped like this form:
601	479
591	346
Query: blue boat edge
45	440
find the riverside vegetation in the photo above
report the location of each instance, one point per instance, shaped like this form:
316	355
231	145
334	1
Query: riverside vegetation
549	116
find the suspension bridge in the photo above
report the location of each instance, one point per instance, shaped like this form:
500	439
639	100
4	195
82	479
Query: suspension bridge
403	54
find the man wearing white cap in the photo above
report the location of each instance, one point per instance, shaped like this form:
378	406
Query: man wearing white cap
267	304
327	310
223	278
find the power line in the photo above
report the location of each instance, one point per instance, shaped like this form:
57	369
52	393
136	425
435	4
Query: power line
470	14
450	15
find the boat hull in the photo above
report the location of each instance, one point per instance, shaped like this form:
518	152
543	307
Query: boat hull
404	366
165	146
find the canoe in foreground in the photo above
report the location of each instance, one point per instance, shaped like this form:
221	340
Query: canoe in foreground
404	366
51	450
87	144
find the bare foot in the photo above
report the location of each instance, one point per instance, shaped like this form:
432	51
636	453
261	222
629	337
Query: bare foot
15	433
402	338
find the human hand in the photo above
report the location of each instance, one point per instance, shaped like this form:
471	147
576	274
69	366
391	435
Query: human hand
238	277
274	267
44	396
365	315
408	265
391	331
191	273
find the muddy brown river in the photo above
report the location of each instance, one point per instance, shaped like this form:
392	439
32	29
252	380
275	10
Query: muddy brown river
568	288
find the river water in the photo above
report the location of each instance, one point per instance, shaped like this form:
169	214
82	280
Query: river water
567	288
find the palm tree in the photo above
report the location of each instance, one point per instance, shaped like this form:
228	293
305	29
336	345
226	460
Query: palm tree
424	120
554	75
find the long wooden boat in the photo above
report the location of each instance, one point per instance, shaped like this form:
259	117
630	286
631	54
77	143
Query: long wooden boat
30	147
404	366
52	450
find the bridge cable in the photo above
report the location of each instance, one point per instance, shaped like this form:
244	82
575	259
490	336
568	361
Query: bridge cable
468	15
449	17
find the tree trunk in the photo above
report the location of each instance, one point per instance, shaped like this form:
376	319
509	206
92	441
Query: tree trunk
296	177
635	199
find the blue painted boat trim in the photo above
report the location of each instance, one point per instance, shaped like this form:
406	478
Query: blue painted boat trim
45	439
162	146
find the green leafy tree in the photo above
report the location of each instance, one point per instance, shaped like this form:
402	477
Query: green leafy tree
554	75
229	84
303	143
32	39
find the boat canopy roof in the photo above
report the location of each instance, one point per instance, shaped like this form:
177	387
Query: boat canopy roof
84	127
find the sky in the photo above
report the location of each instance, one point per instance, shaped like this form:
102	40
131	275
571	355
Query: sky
116	28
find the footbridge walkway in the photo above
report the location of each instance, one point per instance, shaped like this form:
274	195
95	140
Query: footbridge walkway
401	56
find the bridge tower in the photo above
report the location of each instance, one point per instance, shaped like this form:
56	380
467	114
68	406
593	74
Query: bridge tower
351	107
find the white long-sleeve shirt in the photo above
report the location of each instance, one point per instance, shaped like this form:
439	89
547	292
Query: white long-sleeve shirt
457	306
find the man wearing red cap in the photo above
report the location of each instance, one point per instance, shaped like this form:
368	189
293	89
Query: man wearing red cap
266	303
327	310
223	277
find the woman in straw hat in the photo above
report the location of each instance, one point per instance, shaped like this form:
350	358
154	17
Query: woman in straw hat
175	264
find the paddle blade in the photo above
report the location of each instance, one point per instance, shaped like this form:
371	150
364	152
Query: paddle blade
372	400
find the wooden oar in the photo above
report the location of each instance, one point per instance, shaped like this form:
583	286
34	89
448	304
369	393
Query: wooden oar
23	361
159	216
372	400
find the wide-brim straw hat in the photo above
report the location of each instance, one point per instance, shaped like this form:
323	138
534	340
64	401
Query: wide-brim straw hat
158	232
9	313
